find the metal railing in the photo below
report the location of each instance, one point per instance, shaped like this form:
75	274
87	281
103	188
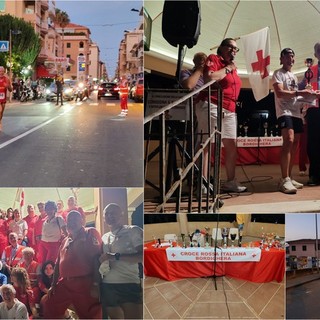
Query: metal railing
189	158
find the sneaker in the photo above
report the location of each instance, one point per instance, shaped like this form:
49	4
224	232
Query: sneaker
297	184
122	114
302	173
204	189
233	186
286	186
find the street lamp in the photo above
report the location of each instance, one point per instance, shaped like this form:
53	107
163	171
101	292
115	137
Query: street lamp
11	32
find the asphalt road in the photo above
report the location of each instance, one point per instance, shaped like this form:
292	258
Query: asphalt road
303	301
83	144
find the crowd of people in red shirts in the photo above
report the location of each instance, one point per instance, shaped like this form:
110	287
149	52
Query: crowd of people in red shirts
29	248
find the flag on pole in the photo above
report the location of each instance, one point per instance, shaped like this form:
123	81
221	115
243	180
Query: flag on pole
20	199
256	48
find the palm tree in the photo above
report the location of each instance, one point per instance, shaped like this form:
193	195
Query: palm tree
62	19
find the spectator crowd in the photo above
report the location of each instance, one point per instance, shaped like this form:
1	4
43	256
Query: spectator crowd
50	263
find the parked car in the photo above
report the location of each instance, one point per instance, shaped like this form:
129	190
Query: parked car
137	91
108	90
68	91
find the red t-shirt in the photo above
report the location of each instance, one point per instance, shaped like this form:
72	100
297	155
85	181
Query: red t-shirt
31	225
230	84
38	227
3	89
77	255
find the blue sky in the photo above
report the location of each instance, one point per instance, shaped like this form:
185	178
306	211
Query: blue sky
107	21
301	225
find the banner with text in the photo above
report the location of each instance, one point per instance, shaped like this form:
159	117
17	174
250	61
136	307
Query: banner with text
208	254
249	142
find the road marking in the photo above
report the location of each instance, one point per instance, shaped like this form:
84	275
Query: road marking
22	135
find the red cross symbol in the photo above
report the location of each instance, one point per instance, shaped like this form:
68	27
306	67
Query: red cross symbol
261	64
173	255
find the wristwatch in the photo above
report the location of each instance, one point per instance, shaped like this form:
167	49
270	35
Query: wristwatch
227	70
117	256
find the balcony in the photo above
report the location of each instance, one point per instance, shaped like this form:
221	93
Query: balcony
44	5
44	27
43	55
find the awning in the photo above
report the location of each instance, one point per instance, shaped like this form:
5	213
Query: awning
43	72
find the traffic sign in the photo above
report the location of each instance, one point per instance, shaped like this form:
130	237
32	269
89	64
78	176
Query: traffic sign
4	46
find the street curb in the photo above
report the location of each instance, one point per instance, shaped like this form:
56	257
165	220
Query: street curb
300	283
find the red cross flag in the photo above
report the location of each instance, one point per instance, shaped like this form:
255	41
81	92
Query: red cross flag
256	48
20	199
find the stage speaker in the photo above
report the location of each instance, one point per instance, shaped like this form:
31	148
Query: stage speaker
181	22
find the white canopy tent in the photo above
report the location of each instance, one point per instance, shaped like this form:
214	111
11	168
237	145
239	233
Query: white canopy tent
87	198
293	24
10	197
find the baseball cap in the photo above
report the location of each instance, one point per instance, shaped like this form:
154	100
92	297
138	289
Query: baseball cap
286	51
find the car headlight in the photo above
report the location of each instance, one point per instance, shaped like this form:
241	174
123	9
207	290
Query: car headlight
48	91
67	91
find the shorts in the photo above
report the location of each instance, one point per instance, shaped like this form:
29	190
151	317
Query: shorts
229	121
115	294
291	123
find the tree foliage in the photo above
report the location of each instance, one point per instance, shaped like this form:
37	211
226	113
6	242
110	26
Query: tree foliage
61	18
26	45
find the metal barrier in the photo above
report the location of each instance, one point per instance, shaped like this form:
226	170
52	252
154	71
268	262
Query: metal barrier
165	191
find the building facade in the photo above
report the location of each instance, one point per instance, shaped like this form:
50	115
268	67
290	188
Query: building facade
130	59
302	247
71	52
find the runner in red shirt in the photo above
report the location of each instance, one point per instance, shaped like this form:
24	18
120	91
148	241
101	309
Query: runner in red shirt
5	84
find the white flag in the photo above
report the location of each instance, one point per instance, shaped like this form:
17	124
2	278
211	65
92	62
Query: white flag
20	199
256	48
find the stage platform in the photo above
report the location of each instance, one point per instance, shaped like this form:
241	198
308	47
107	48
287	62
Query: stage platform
262	196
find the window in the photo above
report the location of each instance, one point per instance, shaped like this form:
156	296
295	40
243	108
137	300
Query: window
81	45
2	5
68	56
68	45
68	68
304	248
293	248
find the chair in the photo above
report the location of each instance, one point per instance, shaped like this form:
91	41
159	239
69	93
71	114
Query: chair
170	236
234	231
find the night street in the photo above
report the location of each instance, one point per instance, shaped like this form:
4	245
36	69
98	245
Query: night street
79	144
302	301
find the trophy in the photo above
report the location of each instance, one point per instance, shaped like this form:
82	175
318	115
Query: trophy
240	130
265	126
240	238
225	232
233	237
183	236
308	74
190	237
207	236
245	127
